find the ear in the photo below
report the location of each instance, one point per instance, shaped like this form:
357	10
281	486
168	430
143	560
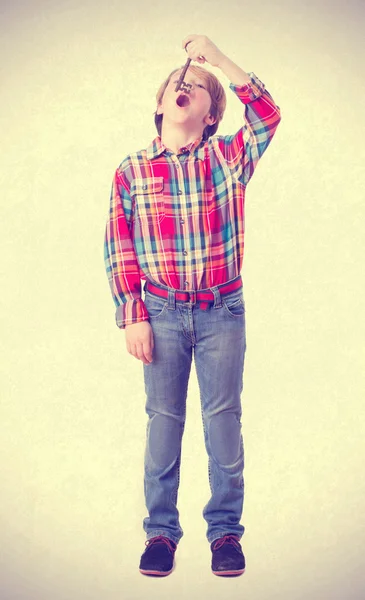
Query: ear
210	120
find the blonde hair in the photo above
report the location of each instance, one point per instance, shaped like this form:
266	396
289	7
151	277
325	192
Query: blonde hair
216	92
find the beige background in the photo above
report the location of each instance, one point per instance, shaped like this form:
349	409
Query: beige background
78	84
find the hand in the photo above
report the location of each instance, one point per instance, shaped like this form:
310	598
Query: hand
201	49
139	338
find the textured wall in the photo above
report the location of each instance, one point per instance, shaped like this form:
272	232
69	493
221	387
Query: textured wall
77	94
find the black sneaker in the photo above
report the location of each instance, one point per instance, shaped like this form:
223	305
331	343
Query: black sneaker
158	558
227	556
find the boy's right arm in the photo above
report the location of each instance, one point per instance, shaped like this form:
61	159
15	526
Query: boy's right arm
124	274
121	263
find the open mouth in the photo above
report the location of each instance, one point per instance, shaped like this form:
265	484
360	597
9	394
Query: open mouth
183	100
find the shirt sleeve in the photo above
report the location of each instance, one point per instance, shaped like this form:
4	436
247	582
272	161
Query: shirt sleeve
262	116
120	259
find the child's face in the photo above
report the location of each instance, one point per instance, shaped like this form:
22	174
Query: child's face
195	107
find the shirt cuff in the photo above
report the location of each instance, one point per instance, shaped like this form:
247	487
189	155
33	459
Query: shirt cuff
132	311
250	91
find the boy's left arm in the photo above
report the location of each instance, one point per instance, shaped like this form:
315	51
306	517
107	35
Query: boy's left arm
244	149
262	116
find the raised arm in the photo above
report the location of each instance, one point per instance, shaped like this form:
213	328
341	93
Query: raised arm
262	116
242	150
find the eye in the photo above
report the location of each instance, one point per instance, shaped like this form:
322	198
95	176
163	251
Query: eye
197	84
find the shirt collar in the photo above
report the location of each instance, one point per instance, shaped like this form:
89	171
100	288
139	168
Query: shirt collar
157	147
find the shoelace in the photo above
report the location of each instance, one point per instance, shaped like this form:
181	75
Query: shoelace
229	539
160	539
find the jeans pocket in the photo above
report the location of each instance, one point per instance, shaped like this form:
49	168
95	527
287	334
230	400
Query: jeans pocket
234	305
155	306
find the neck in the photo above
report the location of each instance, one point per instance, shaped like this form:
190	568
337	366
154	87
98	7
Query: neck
174	138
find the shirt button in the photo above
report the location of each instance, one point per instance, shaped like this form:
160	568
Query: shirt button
184	252
179	192
182	221
186	283
144	187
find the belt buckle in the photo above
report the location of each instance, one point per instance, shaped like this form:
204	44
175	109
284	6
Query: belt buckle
193	294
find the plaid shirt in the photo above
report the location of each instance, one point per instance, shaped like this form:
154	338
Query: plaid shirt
179	219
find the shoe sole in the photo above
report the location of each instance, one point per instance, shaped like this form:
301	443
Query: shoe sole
225	573
158	573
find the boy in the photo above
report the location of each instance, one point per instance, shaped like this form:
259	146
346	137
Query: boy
176	221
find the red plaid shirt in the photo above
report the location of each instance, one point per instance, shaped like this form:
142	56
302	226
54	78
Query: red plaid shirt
179	219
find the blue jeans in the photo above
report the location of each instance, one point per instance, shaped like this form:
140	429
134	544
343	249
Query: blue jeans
218	337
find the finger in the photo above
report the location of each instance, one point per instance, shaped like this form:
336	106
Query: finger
132	349
191	49
188	39
147	349
194	53
141	355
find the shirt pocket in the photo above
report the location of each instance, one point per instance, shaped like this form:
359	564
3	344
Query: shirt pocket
147	193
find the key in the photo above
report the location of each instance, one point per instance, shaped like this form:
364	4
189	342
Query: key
181	85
